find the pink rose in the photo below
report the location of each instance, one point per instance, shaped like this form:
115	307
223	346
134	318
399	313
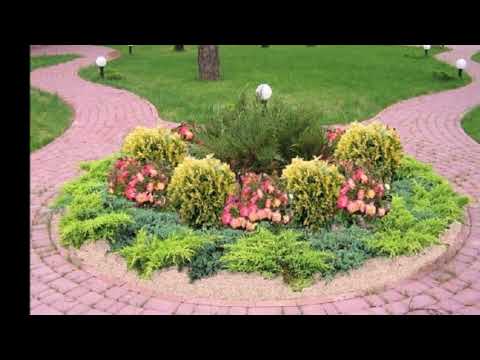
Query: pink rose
370	209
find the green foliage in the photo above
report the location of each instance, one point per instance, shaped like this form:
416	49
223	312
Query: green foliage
252	137
207	261
87	218
149	253
422	209
158	145
271	254
374	147
104	226
315	186
198	190
348	244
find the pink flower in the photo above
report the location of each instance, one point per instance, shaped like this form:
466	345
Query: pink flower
351	184
361	194
342	202
130	193
357	175
260	193
262	214
244	211
276	217
235	223
370	209
140	177
364	179
370	193
381	212
150	187
253	216
345	189
353	207
268	203
276	202
250	226
361	206
226	218
286	219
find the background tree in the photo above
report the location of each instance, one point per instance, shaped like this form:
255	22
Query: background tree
208	62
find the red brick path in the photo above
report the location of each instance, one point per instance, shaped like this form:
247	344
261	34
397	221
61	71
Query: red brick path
429	127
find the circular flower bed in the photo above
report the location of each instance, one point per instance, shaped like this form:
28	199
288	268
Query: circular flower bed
262	191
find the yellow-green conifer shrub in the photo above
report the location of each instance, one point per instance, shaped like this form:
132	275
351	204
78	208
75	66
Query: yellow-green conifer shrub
315	186
155	145
374	147
199	188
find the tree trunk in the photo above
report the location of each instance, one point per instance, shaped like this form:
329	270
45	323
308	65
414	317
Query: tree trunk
179	47
208	62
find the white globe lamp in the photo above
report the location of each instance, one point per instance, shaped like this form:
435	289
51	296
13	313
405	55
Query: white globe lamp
427	48
101	63
461	65
264	92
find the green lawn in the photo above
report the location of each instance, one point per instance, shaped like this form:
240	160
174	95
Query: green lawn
341	83
471	123
49	116
476	57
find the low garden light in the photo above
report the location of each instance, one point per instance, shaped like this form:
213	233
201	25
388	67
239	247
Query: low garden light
130	49
461	65
264	92
427	48
101	62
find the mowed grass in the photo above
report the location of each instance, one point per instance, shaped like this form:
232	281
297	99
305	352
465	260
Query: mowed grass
49	116
476	57
471	123
340	84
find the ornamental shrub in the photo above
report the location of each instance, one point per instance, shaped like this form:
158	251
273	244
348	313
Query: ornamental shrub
250	137
149	253
374	147
314	186
282	254
199	189
157	145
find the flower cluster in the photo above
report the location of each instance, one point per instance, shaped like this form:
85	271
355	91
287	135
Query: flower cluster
144	184
185	132
334	134
363	195
259	200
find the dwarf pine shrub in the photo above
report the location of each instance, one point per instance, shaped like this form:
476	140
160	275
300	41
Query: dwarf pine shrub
199	188
314	186
374	147
157	145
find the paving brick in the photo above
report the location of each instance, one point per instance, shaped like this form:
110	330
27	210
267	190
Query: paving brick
90	298
421	301
45	310
352	305
238	310
185	309
265	310
468	297
291	310
63	285
161	306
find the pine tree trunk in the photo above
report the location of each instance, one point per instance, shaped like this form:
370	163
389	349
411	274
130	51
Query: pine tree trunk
179	47
208	62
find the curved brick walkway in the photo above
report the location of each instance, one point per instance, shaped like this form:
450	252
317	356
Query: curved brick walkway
430	130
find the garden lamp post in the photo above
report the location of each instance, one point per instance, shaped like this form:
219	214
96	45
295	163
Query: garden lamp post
130	49
461	65
101	62
264	92
427	48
